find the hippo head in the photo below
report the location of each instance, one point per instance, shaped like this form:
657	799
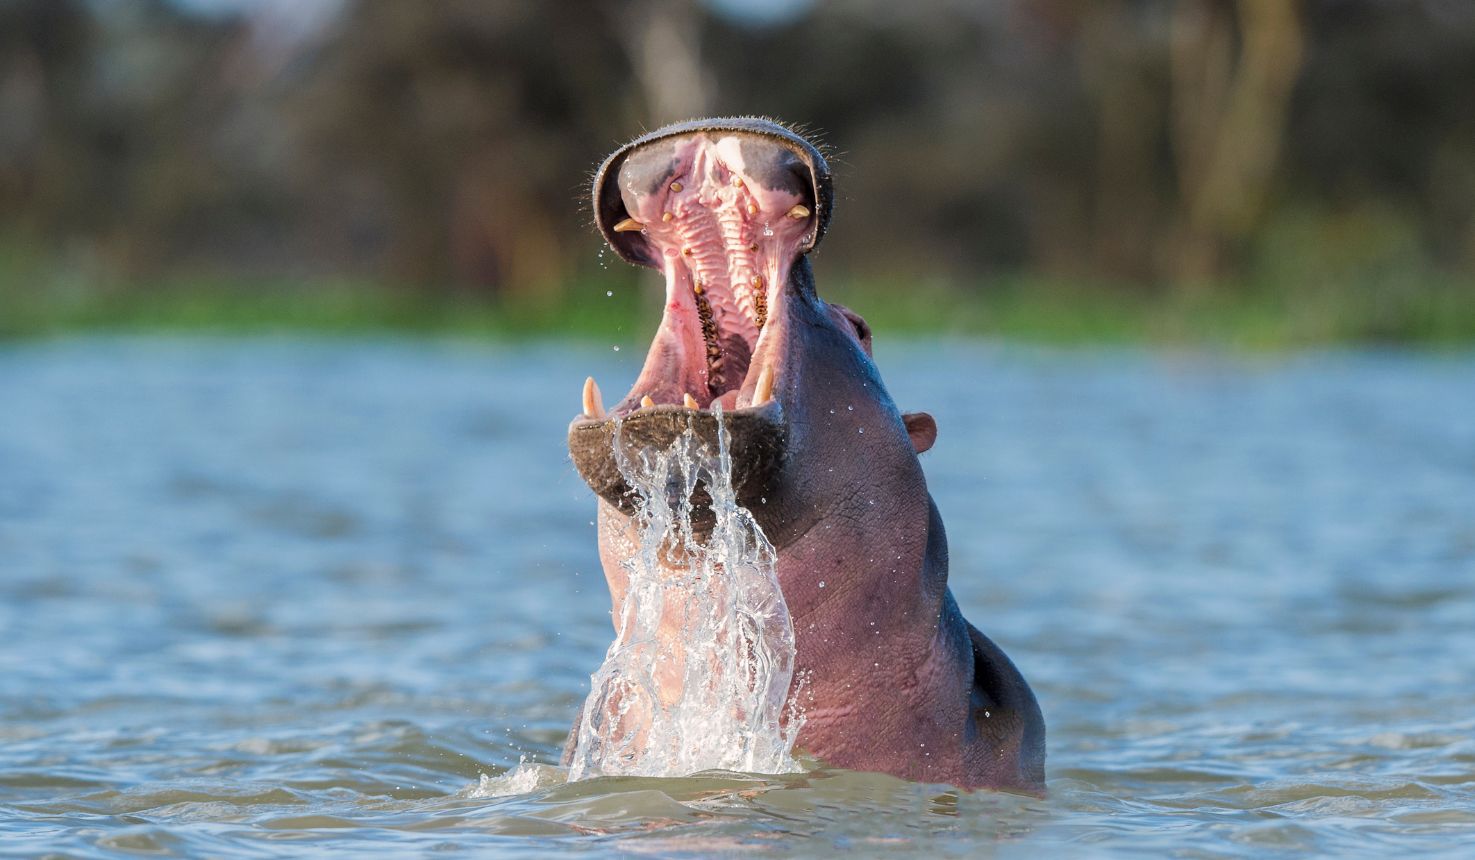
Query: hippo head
728	210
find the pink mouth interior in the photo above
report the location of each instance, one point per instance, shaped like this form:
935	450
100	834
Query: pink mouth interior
726	241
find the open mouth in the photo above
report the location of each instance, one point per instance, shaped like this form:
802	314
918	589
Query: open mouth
723	209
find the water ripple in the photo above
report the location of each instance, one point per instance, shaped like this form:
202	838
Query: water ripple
274	597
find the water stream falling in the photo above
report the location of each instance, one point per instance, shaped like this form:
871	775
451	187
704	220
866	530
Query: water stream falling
698	676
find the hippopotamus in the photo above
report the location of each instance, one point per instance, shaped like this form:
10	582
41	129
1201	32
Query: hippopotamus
898	681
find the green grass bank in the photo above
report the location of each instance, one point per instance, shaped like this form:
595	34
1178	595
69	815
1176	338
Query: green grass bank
1423	309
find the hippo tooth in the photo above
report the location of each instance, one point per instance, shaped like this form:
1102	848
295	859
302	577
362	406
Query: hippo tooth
689	402
629	225
764	389
593	403
799	211
646	402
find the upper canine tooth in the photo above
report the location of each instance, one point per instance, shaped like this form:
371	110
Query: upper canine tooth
629	225
688	401
646	402
593	403
763	390
800	211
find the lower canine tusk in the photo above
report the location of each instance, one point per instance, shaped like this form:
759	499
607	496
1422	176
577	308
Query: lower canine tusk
629	225
800	211
646	402
593	403
763	390
688	401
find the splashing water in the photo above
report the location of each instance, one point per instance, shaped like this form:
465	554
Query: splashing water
527	776
699	672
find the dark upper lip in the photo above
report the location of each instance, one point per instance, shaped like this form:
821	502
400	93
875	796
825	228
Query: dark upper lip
609	209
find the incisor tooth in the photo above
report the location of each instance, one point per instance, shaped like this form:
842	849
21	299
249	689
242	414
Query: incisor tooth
646	402
764	389
629	225
688	401
800	211
593	403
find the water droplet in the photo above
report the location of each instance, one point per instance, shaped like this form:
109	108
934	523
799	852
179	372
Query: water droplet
849	408
767	230
616	348
821	583
609	293
860	429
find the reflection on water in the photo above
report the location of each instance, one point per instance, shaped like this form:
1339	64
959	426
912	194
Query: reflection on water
296	597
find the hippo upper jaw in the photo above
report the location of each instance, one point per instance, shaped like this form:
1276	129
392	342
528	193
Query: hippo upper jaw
725	209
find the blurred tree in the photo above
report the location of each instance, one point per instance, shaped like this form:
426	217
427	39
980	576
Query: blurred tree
1233	71
460	132
1162	143
662	39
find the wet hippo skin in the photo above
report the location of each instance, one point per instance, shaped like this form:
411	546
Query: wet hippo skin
895	679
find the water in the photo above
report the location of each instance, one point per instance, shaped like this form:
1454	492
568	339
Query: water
266	598
698	676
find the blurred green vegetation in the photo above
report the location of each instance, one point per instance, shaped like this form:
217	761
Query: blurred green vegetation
1418	308
1233	171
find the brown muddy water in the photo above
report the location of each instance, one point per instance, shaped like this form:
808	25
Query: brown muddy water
285	597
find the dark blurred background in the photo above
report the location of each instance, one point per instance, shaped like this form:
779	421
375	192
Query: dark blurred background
1260	159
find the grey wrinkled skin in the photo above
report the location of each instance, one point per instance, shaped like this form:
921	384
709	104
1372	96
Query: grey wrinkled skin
896	680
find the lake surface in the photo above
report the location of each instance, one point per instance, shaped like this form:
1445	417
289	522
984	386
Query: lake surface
275	597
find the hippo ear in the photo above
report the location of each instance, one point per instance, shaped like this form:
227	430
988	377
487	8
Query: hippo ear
922	428
852	321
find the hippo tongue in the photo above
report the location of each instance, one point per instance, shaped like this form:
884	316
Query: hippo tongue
726	214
